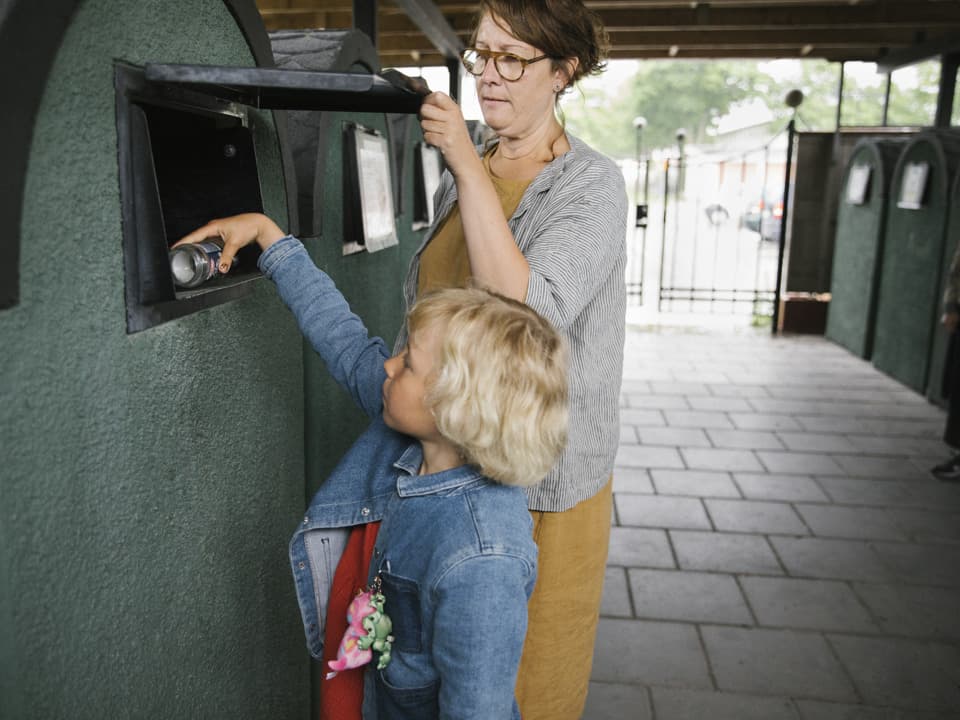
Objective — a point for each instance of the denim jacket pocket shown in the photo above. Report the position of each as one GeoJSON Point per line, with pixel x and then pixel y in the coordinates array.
{"type": "Point", "coordinates": [403, 606]}
{"type": "Point", "coordinates": [416, 703]}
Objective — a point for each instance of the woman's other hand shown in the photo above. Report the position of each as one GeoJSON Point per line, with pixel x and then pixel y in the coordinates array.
{"type": "Point", "coordinates": [444, 128]}
{"type": "Point", "coordinates": [236, 232]}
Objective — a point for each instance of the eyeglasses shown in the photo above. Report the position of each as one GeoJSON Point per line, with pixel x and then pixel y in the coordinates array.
{"type": "Point", "coordinates": [509, 66]}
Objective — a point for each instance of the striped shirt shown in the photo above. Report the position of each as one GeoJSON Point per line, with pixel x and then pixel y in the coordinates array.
{"type": "Point", "coordinates": [571, 227]}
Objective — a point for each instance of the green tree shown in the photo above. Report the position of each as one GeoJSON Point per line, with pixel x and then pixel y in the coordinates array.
{"type": "Point", "coordinates": [673, 94]}
{"type": "Point", "coordinates": [913, 96]}
{"type": "Point", "coordinates": [670, 94]}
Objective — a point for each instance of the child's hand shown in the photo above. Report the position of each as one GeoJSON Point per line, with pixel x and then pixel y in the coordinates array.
{"type": "Point", "coordinates": [236, 232]}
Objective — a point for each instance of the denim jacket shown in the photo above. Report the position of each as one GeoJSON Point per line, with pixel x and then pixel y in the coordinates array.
{"type": "Point", "coordinates": [455, 551]}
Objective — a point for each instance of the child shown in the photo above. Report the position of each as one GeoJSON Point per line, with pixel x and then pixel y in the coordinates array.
{"type": "Point", "coordinates": [472, 410]}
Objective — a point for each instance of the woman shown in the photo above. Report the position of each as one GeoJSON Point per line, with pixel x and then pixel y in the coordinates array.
{"type": "Point", "coordinates": [540, 217]}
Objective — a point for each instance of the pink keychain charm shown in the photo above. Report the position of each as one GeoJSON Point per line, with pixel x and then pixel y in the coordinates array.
{"type": "Point", "coordinates": [368, 630]}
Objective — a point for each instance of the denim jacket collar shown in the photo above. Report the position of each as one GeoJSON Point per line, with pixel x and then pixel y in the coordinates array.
{"type": "Point", "coordinates": [412, 484]}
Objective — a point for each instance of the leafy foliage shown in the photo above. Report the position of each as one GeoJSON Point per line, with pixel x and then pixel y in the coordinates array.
{"type": "Point", "coordinates": [693, 95]}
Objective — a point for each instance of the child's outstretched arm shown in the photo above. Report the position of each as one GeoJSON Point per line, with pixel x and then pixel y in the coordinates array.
{"type": "Point", "coordinates": [353, 358]}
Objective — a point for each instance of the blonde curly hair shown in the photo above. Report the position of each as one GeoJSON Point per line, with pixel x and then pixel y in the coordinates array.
{"type": "Point", "coordinates": [498, 390]}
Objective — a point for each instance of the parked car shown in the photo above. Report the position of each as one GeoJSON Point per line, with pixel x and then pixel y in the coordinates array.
{"type": "Point", "coordinates": [764, 216]}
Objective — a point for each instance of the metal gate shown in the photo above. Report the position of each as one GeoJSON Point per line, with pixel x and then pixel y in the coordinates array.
{"type": "Point", "coordinates": [719, 219]}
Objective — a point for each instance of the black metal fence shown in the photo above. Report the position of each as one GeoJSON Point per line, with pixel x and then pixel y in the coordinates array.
{"type": "Point", "coordinates": [714, 220]}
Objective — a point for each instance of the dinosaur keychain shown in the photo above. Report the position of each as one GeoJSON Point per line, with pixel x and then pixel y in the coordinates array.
{"type": "Point", "coordinates": [368, 631]}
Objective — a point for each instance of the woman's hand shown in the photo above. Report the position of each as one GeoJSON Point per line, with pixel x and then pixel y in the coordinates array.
{"type": "Point", "coordinates": [444, 128]}
{"type": "Point", "coordinates": [236, 232]}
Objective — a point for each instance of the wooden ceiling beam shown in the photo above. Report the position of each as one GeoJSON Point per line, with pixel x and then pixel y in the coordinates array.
{"type": "Point", "coordinates": [617, 22]}
{"type": "Point", "coordinates": [769, 19]}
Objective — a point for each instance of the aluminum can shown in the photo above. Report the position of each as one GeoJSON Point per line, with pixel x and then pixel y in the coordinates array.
{"type": "Point", "coordinates": [195, 263]}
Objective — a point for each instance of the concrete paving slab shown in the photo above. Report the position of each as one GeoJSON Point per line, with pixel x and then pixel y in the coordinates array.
{"type": "Point", "coordinates": [775, 662]}
{"type": "Point", "coordinates": [697, 419]}
{"type": "Point", "coordinates": [771, 486]}
{"type": "Point", "coordinates": [763, 421]}
{"type": "Point", "coordinates": [648, 456]}
{"type": "Point", "coordinates": [807, 604]}
{"type": "Point", "coordinates": [722, 404]}
{"type": "Point", "coordinates": [688, 596]}
{"type": "Point", "coordinates": [699, 483]}
{"type": "Point", "coordinates": [725, 552]}
{"type": "Point", "coordinates": [830, 559]}
{"type": "Point", "coordinates": [915, 610]}
{"type": "Point", "coordinates": [927, 525]}
{"type": "Point", "coordinates": [616, 596]}
{"type": "Point", "coordinates": [927, 564]}
{"type": "Point", "coordinates": [641, 418]}
{"type": "Point", "coordinates": [755, 516]}
{"type": "Point", "coordinates": [864, 523]}
{"type": "Point", "coordinates": [798, 463]}
{"type": "Point", "coordinates": [716, 459]}
{"type": "Point", "coordinates": [617, 701]}
{"type": "Point", "coordinates": [632, 480]}
{"type": "Point", "coordinates": [902, 673]}
{"type": "Point", "coordinates": [673, 436]}
{"type": "Point", "coordinates": [628, 654]}
{"type": "Point", "coordinates": [923, 493]}
{"type": "Point", "coordinates": [659, 402]}
{"type": "Point", "coordinates": [639, 547]}
{"type": "Point", "coordinates": [744, 391]}
{"type": "Point", "coordinates": [816, 442]}
{"type": "Point", "coordinates": [675, 704]}
{"type": "Point", "coordinates": [887, 468]}
{"type": "Point", "coordinates": [660, 387]}
{"type": "Point", "coordinates": [662, 511]}
{"type": "Point", "coordinates": [745, 439]}
{"type": "Point", "coordinates": [818, 710]}
{"type": "Point", "coordinates": [628, 435]}
{"type": "Point", "coordinates": [899, 446]}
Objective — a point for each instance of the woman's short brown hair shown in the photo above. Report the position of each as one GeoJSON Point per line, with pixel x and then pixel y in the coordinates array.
{"type": "Point", "coordinates": [498, 390]}
{"type": "Point", "coordinates": [560, 29]}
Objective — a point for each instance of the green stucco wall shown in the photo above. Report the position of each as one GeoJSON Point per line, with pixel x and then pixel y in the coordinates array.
{"type": "Point", "coordinates": [149, 482]}
{"type": "Point", "coordinates": [907, 303]}
{"type": "Point", "coordinates": [858, 249]}
{"type": "Point", "coordinates": [371, 282]}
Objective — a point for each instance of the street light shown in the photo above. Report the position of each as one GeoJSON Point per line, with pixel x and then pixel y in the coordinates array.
{"type": "Point", "coordinates": [639, 123]}
{"type": "Point", "coordinates": [792, 101]}
{"type": "Point", "coordinates": [681, 140]}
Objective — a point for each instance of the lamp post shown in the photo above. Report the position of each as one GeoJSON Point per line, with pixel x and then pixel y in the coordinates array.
{"type": "Point", "coordinates": [681, 169]}
{"type": "Point", "coordinates": [638, 250]}
{"type": "Point", "coordinates": [639, 123]}
{"type": "Point", "coordinates": [792, 100]}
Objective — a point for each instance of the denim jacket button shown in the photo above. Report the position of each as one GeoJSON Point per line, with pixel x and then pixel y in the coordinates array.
{"type": "Point", "coordinates": [365, 511]}
{"type": "Point", "coordinates": [306, 519]}
{"type": "Point", "coordinates": [301, 565]}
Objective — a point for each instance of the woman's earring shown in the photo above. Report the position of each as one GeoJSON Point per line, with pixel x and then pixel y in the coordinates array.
{"type": "Point", "coordinates": [557, 87]}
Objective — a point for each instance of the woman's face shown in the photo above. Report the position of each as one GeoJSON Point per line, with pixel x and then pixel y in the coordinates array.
{"type": "Point", "coordinates": [514, 109]}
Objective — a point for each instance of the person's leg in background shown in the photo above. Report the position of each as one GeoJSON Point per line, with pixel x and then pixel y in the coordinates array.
{"type": "Point", "coordinates": [564, 608]}
{"type": "Point", "coordinates": [950, 470]}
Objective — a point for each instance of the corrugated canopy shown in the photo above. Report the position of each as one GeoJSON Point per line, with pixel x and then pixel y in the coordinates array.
{"type": "Point", "coordinates": [889, 32]}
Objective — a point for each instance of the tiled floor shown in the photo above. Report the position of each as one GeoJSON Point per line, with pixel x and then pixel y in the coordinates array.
{"type": "Point", "coordinates": [778, 549]}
